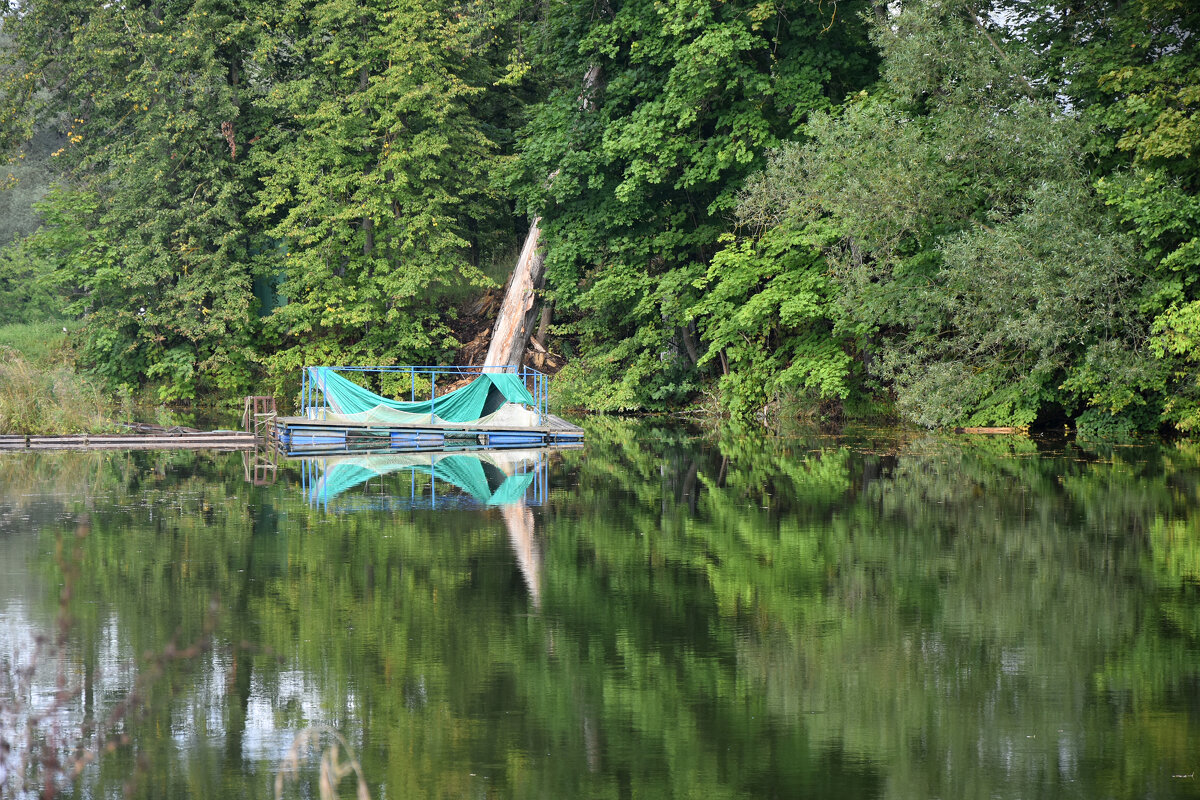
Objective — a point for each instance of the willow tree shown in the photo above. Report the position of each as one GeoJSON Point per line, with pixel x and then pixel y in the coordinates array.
{"type": "Point", "coordinates": [976, 264]}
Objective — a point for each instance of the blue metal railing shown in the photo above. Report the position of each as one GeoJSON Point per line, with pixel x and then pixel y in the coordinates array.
{"type": "Point", "coordinates": [538, 383]}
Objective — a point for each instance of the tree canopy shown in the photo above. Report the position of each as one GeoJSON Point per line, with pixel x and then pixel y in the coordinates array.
{"type": "Point", "coordinates": [1009, 215]}
{"type": "Point", "coordinates": [984, 215]}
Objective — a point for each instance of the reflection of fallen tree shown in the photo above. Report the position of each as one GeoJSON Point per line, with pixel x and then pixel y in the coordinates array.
{"type": "Point", "coordinates": [493, 478]}
{"type": "Point", "coordinates": [518, 519]}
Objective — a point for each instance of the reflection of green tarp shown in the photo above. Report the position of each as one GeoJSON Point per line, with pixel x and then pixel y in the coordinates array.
{"type": "Point", "coordinates": [481, 397]}
{"type": "Point", "coordinates": [466, 472]}
{"type": "Point", "coordinates": [511, 491]}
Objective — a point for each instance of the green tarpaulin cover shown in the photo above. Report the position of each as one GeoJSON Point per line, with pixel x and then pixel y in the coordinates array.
{"type": "Point", "coordinates": [480, 398]}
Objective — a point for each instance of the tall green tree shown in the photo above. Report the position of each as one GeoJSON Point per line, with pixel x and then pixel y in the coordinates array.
{"type": "Point", "coordinates": [155, 104]}
{"type": "Point", "coordinates": [376, 181]}
{"type": "Point", "coordinates": [978, 267]}
{"type": "Point", "coordinates": [659, 111]}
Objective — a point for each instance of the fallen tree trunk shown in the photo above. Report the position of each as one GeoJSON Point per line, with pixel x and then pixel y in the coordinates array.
{"type": "Point", "coordinates": [514, 323]}
{"type": "Point", "coordinates": [539, 338]}
{"type": "Point", "coordinates": [515, 320]}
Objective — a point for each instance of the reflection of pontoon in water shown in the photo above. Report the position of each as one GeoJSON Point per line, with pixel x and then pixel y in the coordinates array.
{"type": "Point", "coordinates": [495, 409]}
{"type": "Point", "coordinates": [425, 480]}
{"type": "Point", "coordinates": [512, 480]}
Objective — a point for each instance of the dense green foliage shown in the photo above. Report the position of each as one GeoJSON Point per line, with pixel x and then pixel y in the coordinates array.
{"type": "Point", "coordinates": [728, 617]}
{"type": "Point", "coordinates": [320, 150]}
{"type": "Point", "coordinates": [1012, 230]}
{"type": "Point", "coordinates": [647, 160]}
{"type": "Point", "coordinates": [989, 218]}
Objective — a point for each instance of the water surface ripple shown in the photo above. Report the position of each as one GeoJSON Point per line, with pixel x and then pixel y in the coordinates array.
{"type": "Point", "coordinates": [662, 614]}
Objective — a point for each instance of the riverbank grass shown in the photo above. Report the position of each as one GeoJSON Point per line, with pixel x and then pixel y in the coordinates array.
{"type": "Point", "coordinates": [40, 391]}
{"type": "Point", "coordinates": [47, 400]}
{"type": "Point", "coordinates": [40, 343]}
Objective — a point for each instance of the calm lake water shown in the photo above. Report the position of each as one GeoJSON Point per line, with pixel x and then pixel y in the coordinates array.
{"type": "Point", "coordinates": [660, 615]}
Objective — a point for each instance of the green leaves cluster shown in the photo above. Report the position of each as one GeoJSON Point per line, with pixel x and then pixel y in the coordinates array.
{"type": "Point", "coordinates": [328, 153]}
{"type": "Point", "coordinates": [1010, 215]}
{"type": "Point", "coordinates": [659, 111]}
{"type": "Point", "coordinates": [765, 315]}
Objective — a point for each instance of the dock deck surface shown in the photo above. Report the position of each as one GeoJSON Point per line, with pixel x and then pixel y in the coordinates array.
{"type": "Point", "coordinates": [552, 425]}
{"type": "Point", "coordinates": [302, 435]}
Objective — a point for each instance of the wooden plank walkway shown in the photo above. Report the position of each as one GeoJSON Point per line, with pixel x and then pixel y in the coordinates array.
{"type": "Point", "coordinates": [212, 440]}
{"type": "Point", "coordinates": [560, 424]}
{"type": "Point", "coordinates": [555, 431]}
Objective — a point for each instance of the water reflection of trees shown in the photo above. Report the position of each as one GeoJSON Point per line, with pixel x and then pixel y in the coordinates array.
{"type": "Point", "coordinates": [874, 615]}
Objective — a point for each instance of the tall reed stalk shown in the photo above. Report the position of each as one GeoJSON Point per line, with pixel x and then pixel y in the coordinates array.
{"type": "Point", "coordinates": [51, 399]}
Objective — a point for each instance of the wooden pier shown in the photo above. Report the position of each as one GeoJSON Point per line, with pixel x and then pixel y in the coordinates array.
{"type": "Point", "coordinates": [212, 440]}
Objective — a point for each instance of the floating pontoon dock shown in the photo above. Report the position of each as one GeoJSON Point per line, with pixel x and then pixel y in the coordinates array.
{"type": "Point", "coordinates": [302, 435]}
{"type": "Point", "coordinates": [495, 409]}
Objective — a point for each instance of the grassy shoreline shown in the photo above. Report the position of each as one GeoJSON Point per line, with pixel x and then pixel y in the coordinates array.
{"type": "Point", "coordinates": [40, 391]}
{"type": "Point", "coordinates": [39, 399]}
